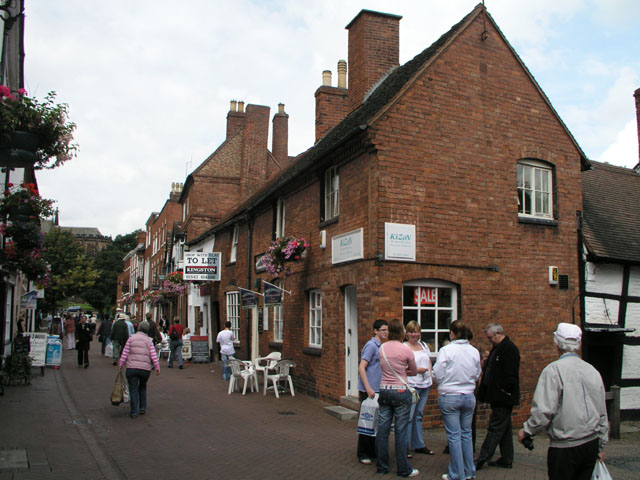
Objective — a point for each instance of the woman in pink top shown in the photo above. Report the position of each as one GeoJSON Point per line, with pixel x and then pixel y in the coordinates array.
{"type": "Point", "coordinates": [396, 362]}
{"type": "Point", "coordinates": [139, 355]}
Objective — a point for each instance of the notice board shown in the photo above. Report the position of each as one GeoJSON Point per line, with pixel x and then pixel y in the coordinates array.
{"type": "Point", "coordinates": [199, 349]}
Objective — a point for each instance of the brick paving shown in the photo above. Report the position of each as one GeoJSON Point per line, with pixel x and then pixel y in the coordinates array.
{"type": "Point", "coordinates": [69, 430]}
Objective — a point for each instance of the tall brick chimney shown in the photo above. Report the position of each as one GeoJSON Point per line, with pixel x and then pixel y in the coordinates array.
{"type": "Point", "coordinates": [637, 95]}
{"type": "Point", "coordinates": [254, 149]}
{"type": "Point", "coordinates": [332, 103]}
{"type": "Point", "coordinates": [235, 118]}
{"type": "Point", "coordinates": [374, 49]}
{"type": "Point", "coordinates": [280, 136]}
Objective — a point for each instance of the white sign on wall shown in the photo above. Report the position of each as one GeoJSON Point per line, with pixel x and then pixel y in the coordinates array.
{"type": "Point", "coordinates": [202, 266]}
{"type": "Point", "coordinates": [399, 241]}
{"type": "Point", "coordinates": [347, 246]}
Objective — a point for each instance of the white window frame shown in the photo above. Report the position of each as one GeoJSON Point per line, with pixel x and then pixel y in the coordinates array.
{"type": "Point", "coordinates": [536, 179]}
{"type": "Point", "coordinates": [234, 245]}
{"type": "Point", "coordinates": [315, 318]}
{"type": "Point", "coordinates": [436, 308]}
{"type": "Point", "coordinates": [278, 319]}
{"type": "Point", "coordinates": [280, 216]}
{"type": "Point", "coordinates": [233, 313]}
{"type": "Point", "coordinates": [331, 191]}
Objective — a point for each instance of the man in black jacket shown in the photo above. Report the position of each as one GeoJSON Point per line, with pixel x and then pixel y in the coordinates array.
{"type": "Point", "coordinates": [500, 387]}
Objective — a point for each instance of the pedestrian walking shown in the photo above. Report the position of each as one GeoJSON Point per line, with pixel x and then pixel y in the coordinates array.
{"type": "Point", "coordinates": [369, 375]}
{"type": "Point", "coordinates": [396, 363]}
{"type": "Point", "coordinates": [569, 404]}
{"type": "Point", "coordinates": [499, 387]}
{"type": "Point", "coordinates": [422, 383]}
{"type": "Point", "coordinates": [83, 341]}
{"type": "Point", "coordinates": [104, 333]}
{"type": "Point", "coordinates": [139, 356]}
{"type": "Point", "coordinates": [175, 342]}
{"type": "Point", "coordinates": [226, 338]}
{"type": "Point", "coordinates": [456, 371]}
{"type": "Point", "coordinates": [69, 333]}
{"type": "Point", "coordinates": [119, 336]}
{"type": "Point", "coordinates": [154, 332]}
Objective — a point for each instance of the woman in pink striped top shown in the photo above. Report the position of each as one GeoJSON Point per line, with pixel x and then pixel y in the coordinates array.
{"type": "Point", "coordinates": [139, 355]}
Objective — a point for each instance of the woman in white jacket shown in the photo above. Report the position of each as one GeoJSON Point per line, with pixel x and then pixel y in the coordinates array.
{"type": "Point", "coordinates": [456, 372]}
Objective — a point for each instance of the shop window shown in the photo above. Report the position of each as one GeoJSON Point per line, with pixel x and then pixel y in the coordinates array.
{"type": "Point", "coordinates": [433, 304]}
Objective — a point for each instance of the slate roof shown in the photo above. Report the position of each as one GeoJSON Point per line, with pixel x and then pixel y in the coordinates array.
{"type": "Point", "coordinates": [611, 210]}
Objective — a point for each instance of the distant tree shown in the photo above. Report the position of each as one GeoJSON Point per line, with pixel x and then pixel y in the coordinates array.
{"type": "Point", "coordinates": [71, 271]}
{"type": "Point", "coordinates": [109, 263]}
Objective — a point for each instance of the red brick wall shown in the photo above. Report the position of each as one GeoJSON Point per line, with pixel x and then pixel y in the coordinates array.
{"type": "Point", "coordinates": [280, 138]}
{"type": "Point", "coordinates": [332, 106]}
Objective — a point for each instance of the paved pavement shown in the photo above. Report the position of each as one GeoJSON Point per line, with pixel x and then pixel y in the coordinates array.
{"type": "Point", "coordinates": [63, 426]}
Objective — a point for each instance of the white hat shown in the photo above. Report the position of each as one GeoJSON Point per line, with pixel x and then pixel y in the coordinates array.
{"type": "Point", "coordinates": [568, 333]}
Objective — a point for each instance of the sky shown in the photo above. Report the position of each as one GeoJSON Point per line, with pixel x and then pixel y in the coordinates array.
{"type": "Point", "coordinates": [148, 82]}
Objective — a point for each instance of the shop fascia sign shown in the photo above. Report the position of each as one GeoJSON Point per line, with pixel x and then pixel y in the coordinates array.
{"type": "Point", "coordinates": [399, 242]}
{"type": "Point", "coordinates": [201, 266]}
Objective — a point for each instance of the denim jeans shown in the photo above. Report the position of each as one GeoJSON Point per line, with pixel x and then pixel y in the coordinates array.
{"type": "Point", "coordinates": [457, 413]}
{"type": "Point", "coordinates": [226, 369]}
{"type": "Point", "coordinates": [137, 380]}
{"type": "Point", "coordinates": [414, 432]}
{"type": "Point", "coordinates": [393, 403]}
{"type": "Point", "coordinates": [176, 350]}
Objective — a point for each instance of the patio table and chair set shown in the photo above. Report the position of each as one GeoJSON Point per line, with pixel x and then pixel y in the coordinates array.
{"type": "Point", "coordinates": [273, 368]}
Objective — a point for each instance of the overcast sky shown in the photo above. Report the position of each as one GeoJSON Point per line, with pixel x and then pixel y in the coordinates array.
{"type": "Point", "coordinates": [148, 82]}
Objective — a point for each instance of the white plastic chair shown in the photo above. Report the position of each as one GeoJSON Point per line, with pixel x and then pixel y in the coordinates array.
{"type": "Point", "coordinates": [265, 365]}
{"type": "Point", "coordinates": [242, 371]}
{"type": "Point", "coordinates": [164, 347]}
{"type": "Point", "coordinates": [281, 374]}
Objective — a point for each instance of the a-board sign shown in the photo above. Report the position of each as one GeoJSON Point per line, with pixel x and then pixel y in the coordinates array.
{"type": "Point", "coordinates": [38, 348]}
{"type": "Point", "coordinates": [199, 349]}
{"type": "Point", "coordinates": [54, 351]}
{"type": "Point", "coordinates": [186, 349]}
{"type": "Point", "coordinates": [202, 266]}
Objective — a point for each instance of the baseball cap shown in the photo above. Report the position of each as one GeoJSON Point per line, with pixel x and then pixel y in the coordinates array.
{"type": "Point", "coordinates": [567, 332]}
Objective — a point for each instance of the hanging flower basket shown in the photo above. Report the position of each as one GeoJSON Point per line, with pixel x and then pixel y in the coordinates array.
{"type": "Point", "coordinates": [284, 251]}
{"type": "Point", "coordinates": [19, 150]}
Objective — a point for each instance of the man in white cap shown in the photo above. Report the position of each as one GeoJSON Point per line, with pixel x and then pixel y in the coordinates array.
{"type": "Point", "coordinates": [569, 404]}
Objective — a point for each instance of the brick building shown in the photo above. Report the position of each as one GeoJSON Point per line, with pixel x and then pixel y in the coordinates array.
{"type": "Point", "coordinates": [438, 190]}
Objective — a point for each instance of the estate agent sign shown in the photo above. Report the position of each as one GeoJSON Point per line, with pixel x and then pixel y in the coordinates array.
{"type": "Point", "coordinates": [202, 266]}
{"type": "Point", "coordinates": [399, 242]}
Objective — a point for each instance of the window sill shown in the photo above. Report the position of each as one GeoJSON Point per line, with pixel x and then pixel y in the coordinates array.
{"type": "Point", "coordinates": [331, 221]}
{"type": "Point", "coordinates": [313, 351]}
{"type": "Point", "coordinates": [538, 221]}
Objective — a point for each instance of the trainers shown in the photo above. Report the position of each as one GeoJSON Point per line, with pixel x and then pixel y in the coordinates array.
{"type": "Point", "coordinates": [365, 461]}
{"type": "Point", "coordinates": [414, 473]}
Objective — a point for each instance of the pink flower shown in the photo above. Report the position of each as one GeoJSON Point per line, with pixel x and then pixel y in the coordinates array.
{"type": "Point", "coordinates": [5, 91]}
{"type": "Point", "coordinates": [22, 91]}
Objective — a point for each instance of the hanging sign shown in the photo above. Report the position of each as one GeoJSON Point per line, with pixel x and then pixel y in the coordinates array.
{"type": "Point", "coordinates": [249, 298]}
{"type": "Point", "coordinates": [424, 296]}
{"type": "Point", "coordinates": [202, 266]}
{"type": "Point", "coordinates": [272, 295]}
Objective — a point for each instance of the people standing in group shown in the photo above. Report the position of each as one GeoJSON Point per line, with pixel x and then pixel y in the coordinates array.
{"type": "Point", "coordinates": [456, 372]}
{"type": "Point", "coordinates": [119, 336]}
{"type": "Point", "coordinates": [104, 333]}
{"type": "Point", "coordinates": [83, 341]}
{"type": "Point", "coordinates": [369, 375]}
{"type": "Point", "coordinates": [499, 387]}
{"type": "Point", "coordinates": [139, 356]}
{"type": "Point", "coordinates": [226, 338]}
{"type": "Point", "coordinates": [569, 404]}
{"type": "Point", "coordinates": [69, 333]}
{"type": "Point", "coordinates": [422, 383]}
{"type": "Point", "coordinates": [396, 363]}
{"type": "Point", "coordinates": [175, 342]}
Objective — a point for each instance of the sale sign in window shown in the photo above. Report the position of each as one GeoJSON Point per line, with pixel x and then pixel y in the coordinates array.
{"type": "Point", "coordinates": [424, 296]}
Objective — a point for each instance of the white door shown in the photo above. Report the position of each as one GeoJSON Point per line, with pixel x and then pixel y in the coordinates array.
{"type": "Point", "coordinates": [351, 340]}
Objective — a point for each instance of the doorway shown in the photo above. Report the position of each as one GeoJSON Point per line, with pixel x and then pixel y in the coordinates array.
{"type": "Point", "coordinates": [351, 340]}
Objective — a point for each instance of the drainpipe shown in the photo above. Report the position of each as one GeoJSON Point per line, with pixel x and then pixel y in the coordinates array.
{"type": "Point", "coordinates": [250, 220]}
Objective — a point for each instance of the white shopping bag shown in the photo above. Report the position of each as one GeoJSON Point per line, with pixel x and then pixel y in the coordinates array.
{"type": "Point", "coordinates": [600, 472]}
{"type": "Point", "coordinates": [108, 350]}
{"type": "Point", "coordinates": [368, 419]}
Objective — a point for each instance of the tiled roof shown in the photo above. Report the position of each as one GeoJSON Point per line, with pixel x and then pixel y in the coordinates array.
{"type": "Point", "coordinates": [611, 204]}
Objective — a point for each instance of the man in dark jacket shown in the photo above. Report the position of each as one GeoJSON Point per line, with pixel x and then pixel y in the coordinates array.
{"type": "Point", "coordinates": [500, 387]}
{"type": "Point", "coordinates": [153, 332]}
{"type": "Point", "coordinates": [119, 336]}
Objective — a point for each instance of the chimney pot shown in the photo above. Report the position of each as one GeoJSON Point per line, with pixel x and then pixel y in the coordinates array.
{"type": "Point", "coordinates": [342, 74]}
{"type": "Point", "coordinates": [326, 78]}
{"type": "Point", "coordinates": [232, 105]}
{"type": "Point", "coordinates": [240, 107]}
{"type": "Point", "coordinates": [281, 108]}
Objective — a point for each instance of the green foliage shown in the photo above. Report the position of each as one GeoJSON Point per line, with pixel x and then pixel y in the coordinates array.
{"type": "Point", "coordinates": [109, 263]}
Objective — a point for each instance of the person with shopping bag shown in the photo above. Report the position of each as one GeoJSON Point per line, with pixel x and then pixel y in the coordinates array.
{"type": "Point", "coordinates": [139, 356]}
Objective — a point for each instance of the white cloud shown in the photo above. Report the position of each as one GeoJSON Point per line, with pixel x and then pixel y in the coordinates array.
{"type": "Point", "coordinates": [624, 150]}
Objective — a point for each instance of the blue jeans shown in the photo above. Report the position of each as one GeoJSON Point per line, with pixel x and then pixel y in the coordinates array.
{"type": "Point", "coordinates": [457, 413]}
{"type": "Point", "coordinates": [176, 350]}
{"type": "Point", "coordinates": [414, 432]}
{"type": "Point", "coordinates": [137, 380]}
{"type": "Point", "coordinates": [226, 369]}
{"type": "Point", "coordinates": [393, 403]}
